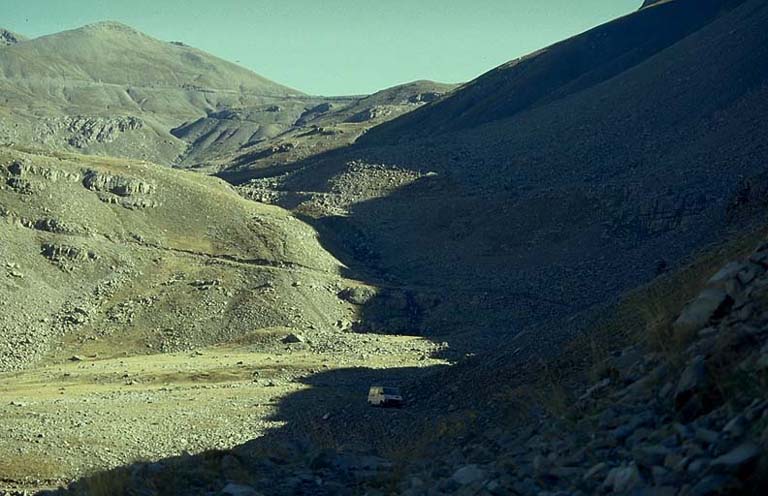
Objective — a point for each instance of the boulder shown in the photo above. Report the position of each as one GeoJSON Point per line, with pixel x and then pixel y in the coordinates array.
{"type": "Point", "coordinates": [711, 304]}
{"type": "Point", "coordinates": [623, 479]}
{"type": "Point", "coordinates": [650, 456]}
{"type": "Point", "coordinates": [595, 471]}
{"type": "Point", "coordinates": [468, 474]}
{"type": "Point", "coordinates": [694, 377]}
{"type": "Point", "coordinates": [716, 485]}
{"type": "Point", "coordinates": [727, 273]}
{"type": "Point", "coordinates": [358, 295]}
{"type": "Point", "coordinates": [293, 339]}
{"type": "Point", "coordinates": [117, 185]}
{"type": "Point", "coordinates": [739, 460]}
{"type": "Point", "coordinates": [736, 427]}
{"type": "Point", "coordinates": [695, 394]}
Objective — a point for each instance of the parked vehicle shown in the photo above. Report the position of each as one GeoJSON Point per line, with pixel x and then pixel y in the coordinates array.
{"type": "Point", "coordinates": [385, 396]}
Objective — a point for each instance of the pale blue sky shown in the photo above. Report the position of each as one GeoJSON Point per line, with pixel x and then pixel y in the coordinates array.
{"type": "Point", "coordinates": [335, 47]}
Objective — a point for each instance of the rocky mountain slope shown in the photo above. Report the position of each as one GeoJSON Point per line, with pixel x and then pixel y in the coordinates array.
{"type": "Point", "coordinates": [327, 127]}
{"type": "Point", "coordinates": [528, 194]}
{"type": "Point", "coordinates": [90, 54]}
{"type": "Point", "coordinates": [102, 256]}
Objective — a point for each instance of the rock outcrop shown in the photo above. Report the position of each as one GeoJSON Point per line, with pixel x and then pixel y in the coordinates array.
{"type": "Point", "coordinates": [118, 185]}
{"type": "Point", "coordinates": [8, 38]}
{"type": "Point", "coordinates": [370, 114]}
{"type": "Point", "coordinates": [84, 131]}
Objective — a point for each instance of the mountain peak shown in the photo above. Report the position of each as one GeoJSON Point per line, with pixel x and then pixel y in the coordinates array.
{"type": "Point", "coordinates": [109, 26]}
{"type": "Point", "coordinates": [111, 52]}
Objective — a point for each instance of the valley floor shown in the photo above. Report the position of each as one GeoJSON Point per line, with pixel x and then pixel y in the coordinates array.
{"type": "Point", "coordinates": [62, 421]}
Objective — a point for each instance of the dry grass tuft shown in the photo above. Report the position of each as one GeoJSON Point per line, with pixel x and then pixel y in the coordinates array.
{"type": "Point", "coordinates": [29, 465]}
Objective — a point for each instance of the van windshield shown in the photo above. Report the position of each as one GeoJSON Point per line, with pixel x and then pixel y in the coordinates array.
{"type": "Point", "coordinates": [392, 391]}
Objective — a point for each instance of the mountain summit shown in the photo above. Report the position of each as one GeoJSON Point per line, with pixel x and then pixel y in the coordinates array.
{"type": "Point", "coordinates": [113, 53]}
{"type": "Point", "coordinates": [107, 88]}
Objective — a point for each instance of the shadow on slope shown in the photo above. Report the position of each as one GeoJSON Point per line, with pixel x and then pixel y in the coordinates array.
{"type": "Point", "coordinates": [567, 203]}
{"type": "Point", "coordinates": [558, 71]}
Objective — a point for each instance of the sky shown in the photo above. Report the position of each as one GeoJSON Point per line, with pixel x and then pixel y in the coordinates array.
{"type": "Point", "coordinates": [338, 47]}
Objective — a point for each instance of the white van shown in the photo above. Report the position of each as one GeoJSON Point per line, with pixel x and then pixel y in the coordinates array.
{"type": "Point", "coordinates": [385, 396]}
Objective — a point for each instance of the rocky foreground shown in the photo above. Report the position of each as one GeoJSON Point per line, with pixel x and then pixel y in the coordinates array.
{"type": "Point", "coordinates": [691, 420]}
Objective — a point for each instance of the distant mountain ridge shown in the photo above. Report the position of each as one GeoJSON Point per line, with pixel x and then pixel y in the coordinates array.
{"type": "Point", "coordinates": [106, 88]}
{"type": "Point", "coordinates": [113, 53]}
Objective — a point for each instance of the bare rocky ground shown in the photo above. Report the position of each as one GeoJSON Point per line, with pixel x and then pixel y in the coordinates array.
{"type": "Point", "coordinates": [684, 416]}
{"type": "Point", "coordinates": [66, 420]}
{"type": "Point", "coordinates": [107, 253]}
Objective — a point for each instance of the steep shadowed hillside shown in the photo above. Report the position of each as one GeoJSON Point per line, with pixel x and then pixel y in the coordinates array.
{"type": "Point", "coordinates": [560, 70]}
{"type": "Point", "coordinates": [553, 183]}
